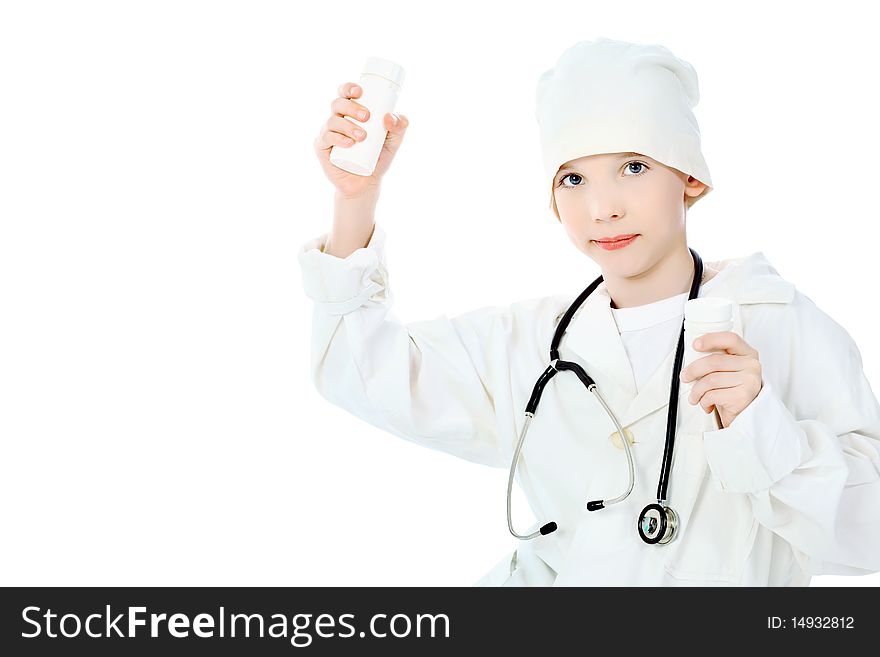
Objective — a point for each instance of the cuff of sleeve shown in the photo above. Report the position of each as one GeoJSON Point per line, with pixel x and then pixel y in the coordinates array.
{"type": "Point", "coordinates": [340, 285]}
{"type": "Point", "coordinates": [762, 444]}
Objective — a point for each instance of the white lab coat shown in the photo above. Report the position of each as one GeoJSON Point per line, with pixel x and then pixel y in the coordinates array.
{"type": "Point", "coordinates": [791, 489]}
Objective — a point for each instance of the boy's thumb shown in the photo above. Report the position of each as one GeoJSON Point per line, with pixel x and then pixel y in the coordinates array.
{"type": "Point", "coordinates": [397, 126]}
{"type": "Point", "coordinates": [398, 122]}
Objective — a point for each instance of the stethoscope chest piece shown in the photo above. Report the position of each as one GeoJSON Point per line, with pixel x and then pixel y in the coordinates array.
{"type": "Point", "coordinates": [657, 524]}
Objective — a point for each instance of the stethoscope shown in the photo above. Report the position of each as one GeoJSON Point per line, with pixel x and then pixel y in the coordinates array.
{"type": "Point", "coordinates": [657, 522]}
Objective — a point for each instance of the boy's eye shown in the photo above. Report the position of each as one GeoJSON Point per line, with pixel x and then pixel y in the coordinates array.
{"type": "Point", "coordinates": [632, 163]}
{"type": "Point", "coordinates": [638, 164]}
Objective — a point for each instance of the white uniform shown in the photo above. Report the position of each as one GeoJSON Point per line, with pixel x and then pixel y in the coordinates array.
{"type": "Point", "coordinates": [791, 489]}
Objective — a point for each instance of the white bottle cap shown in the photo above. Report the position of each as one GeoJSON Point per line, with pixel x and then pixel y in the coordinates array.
{"type": "Point", "coordinates": [385, 68]}
{"type": "Point", "coordinates": [708, 309]}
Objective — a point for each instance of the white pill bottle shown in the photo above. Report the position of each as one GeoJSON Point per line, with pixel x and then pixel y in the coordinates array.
{"type": "Point", "coordinates": [381, 82]}
{"type": "Point", "coordinates": [701, 316]}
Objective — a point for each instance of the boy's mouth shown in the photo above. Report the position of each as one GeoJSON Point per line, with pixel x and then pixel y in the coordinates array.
{"type": "Point", "coordinates": [612, 244]}
{"type": "Point", "coordinates": [617, 238]}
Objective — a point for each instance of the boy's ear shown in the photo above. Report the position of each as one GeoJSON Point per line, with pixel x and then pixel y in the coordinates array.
{"type": "Point", "coordinates": [695, 185]}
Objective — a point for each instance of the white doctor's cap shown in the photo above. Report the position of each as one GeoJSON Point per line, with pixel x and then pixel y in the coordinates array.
{"type": "Point", "coordinates": [609, 96]}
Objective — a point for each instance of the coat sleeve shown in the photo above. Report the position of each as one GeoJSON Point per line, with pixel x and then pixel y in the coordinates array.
{"type": "Point", "coordinates": [430, 382]}
{"type": "Point", "coordinates": [807, 449]}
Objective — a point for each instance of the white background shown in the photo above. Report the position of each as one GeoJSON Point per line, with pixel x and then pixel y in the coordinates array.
{"type": "Point", "coordinates": [157, 177]}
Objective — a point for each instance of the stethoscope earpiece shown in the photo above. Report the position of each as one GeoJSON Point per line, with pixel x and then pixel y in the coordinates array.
{"type": "Point", "coordinates": [549, 527]}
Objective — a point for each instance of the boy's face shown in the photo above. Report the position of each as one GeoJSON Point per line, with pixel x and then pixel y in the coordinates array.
{"type": "Point", "coordinates": [601, 196]}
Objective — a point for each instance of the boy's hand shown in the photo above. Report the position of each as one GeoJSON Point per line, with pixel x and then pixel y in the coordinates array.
{"type": "Point", "coordinates": [342, 132]}
{"type": "Point", "coordinates": [730, 380]}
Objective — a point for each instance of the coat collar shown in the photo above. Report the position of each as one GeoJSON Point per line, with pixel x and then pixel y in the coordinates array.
{"type": "Point", "coordinates": [593, 340]}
